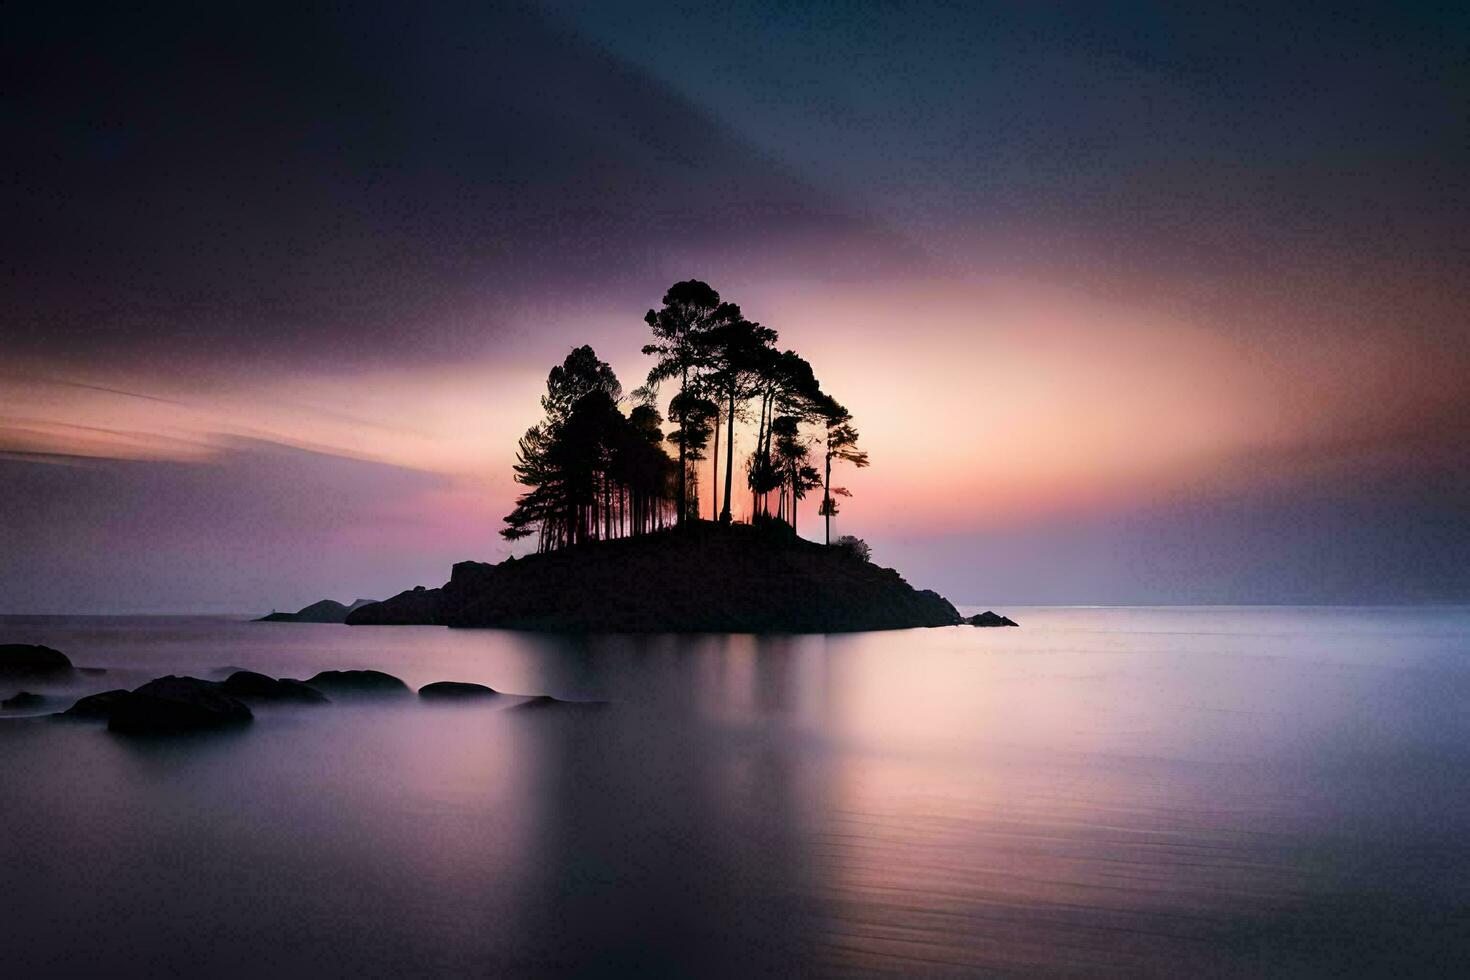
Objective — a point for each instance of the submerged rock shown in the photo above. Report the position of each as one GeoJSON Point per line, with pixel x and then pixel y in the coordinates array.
{"type": "Point", "coordinates": [251, 685]}
{"type": "Point", "coordinates": [32, 660]}
{"type": "Point", "coordinates": [988, 618]}
{"type": "Point", "coordinates": [543, 702]}
{"type": "Point", "coordinates": [176, 704]}
{"type": "Point", "coordinates": [95, 707]}
{"type": "Point", "coordinates": [456, 691]}
{"type": "Point", "coordinates": [23, 700]}
{"type": "Point", "coordinates": [361, 683]}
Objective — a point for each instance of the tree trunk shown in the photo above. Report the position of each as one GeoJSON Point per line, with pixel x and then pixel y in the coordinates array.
{"type": "Point", "coordinates": [683, 440]}
{"type": "Point", "coordinates": [729, 455]}
{"type": "Point", "coordinates": [794, 501]}
{"type": "Point", "coordinates": [714, 479]}
{"type": "Point", "coordinates": [827, 495]}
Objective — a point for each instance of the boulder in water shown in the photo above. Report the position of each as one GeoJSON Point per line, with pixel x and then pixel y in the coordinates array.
{"type": "Point", "coordinates": [358, 683]}
{"type": "Point", "coordinates": [545, 702]}
{"type": "Point", "coordinates": [32, 660]}
{"type": "Point", "coordinates": [23, 701]}
{"type": "Point", "coordinates": [456, 691]}
{"type": "Point", "coordinates": [253, 686]}
{"type": "Point", "coordinates": [173, 704]}
{"type": "Point", "coordinates": [95, 707]}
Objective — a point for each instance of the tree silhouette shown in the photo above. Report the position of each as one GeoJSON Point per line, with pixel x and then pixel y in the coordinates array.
{"type": "Point", "coordinates": [840, 443]}
{"type": "Point", "coordinates": [699, 415]}
{"type": "Point", "coordinates": [785, 386]}
{"type": "Point", "coordinates": [690, 310]}
{"type": "Point", "coordinates": [592, 472]}
{"type": "Point", "coordinates": [792, 467]}
{"type": "Point", "coordinates": [734, 356]}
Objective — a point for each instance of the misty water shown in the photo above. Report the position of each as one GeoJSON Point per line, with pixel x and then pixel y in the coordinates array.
{"type": "Point", "coordinates": [1236, 791]}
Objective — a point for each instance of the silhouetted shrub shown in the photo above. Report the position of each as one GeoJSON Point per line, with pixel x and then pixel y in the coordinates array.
{"type": "Point", "coordinates": [857, 547]}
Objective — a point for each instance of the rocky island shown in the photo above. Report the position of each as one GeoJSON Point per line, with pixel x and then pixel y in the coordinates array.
{"type": "Point", "coordinates": [613, 501]}
{"type": "Point", "coordinates": [702, 577]}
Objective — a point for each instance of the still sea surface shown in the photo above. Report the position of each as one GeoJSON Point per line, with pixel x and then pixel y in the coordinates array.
{"type": "Point", "coordinates": [1141, 791]}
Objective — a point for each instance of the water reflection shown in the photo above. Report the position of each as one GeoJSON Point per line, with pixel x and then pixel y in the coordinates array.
{"type": "Point", "coordinates": [1121, 791]}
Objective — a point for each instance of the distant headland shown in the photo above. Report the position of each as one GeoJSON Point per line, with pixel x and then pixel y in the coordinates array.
{"type": "Point", "coordinates": [325, 611]}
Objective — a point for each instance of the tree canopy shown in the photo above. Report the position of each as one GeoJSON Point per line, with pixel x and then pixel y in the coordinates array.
{"type": "Point", "coordinates": [593, 471]}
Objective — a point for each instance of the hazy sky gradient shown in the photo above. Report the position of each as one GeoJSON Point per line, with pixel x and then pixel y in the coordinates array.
{"type": "Point", "coordinates": [1131, 304]}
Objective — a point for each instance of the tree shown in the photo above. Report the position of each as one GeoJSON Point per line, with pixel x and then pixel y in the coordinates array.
{"type": "Point", "coordinates": [786, 386]}
{"type": "Point", "coordinates": [792, 467]}
{"type": "Point", "coordinates": [592, 472]}
{"type": "Point", "coordinates": [700, 416]}
{"type": "Point", "coordinates": [840, 443]}
{"type": "Point", "coordinates": [734, 355]}
{"type": "Point", "coordinates": [690, 310]}
{"type": "Point", "coordinates": [581, 372]}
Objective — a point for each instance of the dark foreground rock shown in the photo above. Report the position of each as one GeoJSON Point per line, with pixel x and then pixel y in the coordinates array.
{"type": "Point", "coordinates": [988, 618]}
{"type": "Point", "coordinates": [24, 701]}
{"type": "Point", "coordinates": [416, 607]}
{"type": "Point", "coordinates": [249, 685]}
{"type": "Point", "coordinates": [32, 660]}
{"type": "Point", "coordinates": [358, 683]}
{"type": "Point", "coordinates": [701, 578]}
{"type": "Point", "coordinates": [176, 704]}
{"type": "Point", "coordinates": [456, 691]}
{"type": "Point", "coordinates": [96, 707]}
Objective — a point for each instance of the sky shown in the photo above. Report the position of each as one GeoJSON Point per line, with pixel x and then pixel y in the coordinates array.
{"type": "Point", "coordinates": [1131, 303]}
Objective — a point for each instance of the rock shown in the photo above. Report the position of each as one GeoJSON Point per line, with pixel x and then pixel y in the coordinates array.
{"type": "Point", "coordinates": [988, 618]}
{"type": "Point", "coordinates": [95, 707]}
{"type": "Point", "coordinates": [543, 702]}
{"type": "Point", "coordinates": [23, 701]}
{"type": "Point", "coordinates": [711, 578]}
{"type": "Point", "coordinates": [173, 704]}
{"type": "Point", "coordinates": [456, 691]}
{"type": "Point", "coordinates": [32, 660]}
{"type": "Point", "coordinates": [414, 607]}
{"type": "Point", "coordinates": [325, 611]}
{"type": "Point", "coordinates": [252, 686]}
{"type": "Point", "coordinates": [359, 683]}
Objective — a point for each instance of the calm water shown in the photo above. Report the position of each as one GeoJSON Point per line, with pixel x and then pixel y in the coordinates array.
{"type": "Point", "coordinates": [1159, 791]}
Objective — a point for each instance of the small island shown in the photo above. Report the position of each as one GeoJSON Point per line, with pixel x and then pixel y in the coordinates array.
{"type": "Point", "coordinates": [621, 543]}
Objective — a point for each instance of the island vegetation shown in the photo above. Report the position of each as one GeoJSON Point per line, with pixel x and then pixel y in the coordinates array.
{"type": "Point", "coordinates": [594, 472]}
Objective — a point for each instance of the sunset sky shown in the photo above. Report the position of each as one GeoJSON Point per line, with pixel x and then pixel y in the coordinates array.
{"type": "Point", "coordinates": [1131, 303]}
